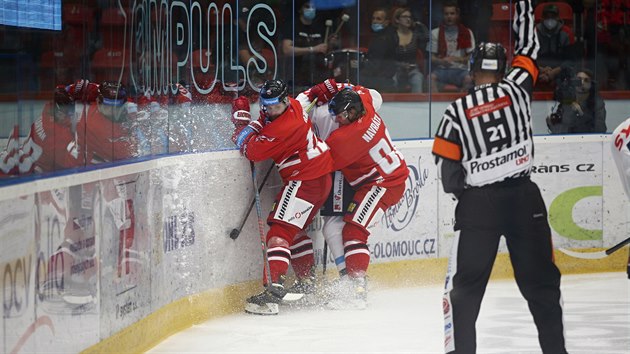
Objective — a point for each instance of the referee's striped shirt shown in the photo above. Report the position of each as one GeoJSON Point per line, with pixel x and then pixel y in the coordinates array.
{"type": "Point", "coordinates": [487, 135]}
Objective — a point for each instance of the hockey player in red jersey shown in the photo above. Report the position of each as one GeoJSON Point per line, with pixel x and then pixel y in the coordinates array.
{"type": "Point", "coordinates": [284, 134]}
{"type": "Point", "coordinates": [102, 130]}
{"type": "Point", "coordinates": [52, 142]}
{"type": "Point", "coordinates": [363, 151]}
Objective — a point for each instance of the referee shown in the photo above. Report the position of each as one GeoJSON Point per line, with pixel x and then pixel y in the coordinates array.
{"type": "Point", "coordinates": [484, 151]}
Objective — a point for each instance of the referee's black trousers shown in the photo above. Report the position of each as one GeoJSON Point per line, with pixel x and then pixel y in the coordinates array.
{"type": "Point", "coordinates": [515, 209]}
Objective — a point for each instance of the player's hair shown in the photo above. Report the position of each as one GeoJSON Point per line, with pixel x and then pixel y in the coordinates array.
{"type": "Point", "coordinates": [451, 3]}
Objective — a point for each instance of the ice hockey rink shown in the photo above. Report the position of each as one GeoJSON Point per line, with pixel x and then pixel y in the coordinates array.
{"type": "Point", "coordinates": [409, 320]}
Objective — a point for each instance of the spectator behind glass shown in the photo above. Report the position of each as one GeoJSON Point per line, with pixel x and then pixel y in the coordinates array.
{"type": "Point", "coordinates": [380, 67]}
{"type": "Point", "coordinates": [477, 14]}
{"type": "Point", "coordinates": [411, 36]}
{"type": "Point", "coordinates": [450, 46]}
{"type": "Point", "coordinates": [307, 48]}
{"type": "Point", "coordinates": [556, 44]}
{"type": "Point", "coordinates": [580, 108]}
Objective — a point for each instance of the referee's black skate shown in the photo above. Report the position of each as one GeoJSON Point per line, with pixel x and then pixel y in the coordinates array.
{"type": "Point", "coordinates": [266, 303]}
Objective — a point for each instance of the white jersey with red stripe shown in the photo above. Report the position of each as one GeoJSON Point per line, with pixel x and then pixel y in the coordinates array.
{"type": "Point", "coordinates": [323, 123]}
{"type": "Point", "coordinates": [364, 152]}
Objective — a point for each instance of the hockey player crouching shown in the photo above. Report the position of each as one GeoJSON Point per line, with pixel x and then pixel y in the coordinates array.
{"type": "Point", "coordinates": [284, 134]}
{"type": "Point", "coordinates": [363, 151]}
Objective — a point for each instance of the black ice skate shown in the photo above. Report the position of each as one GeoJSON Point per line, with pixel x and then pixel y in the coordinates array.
{"type": "Point", "coordinates": [306, 288]}
{"type": "Point", "coordinates": [266, 303]}
{"type": "Point", "coordinates": [302, 286]}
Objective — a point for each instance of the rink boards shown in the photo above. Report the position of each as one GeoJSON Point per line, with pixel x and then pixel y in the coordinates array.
{"type": "Point", "coordinates": [126, 255]}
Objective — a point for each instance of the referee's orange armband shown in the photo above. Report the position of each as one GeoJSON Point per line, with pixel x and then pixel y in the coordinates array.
{"type": "Point", "coordinates": [528, 64]}
{"type": "Point", "coordinates": [447, 149]}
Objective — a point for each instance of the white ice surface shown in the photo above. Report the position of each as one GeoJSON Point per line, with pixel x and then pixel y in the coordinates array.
{"type": "Point", "coordinates": [409, 320]}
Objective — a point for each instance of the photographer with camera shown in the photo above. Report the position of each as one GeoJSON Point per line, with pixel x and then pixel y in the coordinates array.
{"type": "Point", "coordinates": [579, 107]}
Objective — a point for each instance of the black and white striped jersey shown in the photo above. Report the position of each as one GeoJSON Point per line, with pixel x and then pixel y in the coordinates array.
{"type": "Point", "coordinates": [486, 136]}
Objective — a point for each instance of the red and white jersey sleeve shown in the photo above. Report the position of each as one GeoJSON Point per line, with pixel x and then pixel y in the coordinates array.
{"type": "Point", "coordinates": [621, 153]}
{"type": "Point", "coordinates": [290, 141]}
{"type": "Point", "coordinates": [364, 152]}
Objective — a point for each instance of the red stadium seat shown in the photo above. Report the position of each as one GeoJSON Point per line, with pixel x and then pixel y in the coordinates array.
{"type": "Point", "coordinates": [501, 24]}
{"type": "Point", "coordinates": [113, 23]}
{"type": "Point", "coordinates": [78, 19]}
{"type": "Point", "coordinates": [77, 14]}
{"type": "Point", "coordinates": [107, 64]}
{"type": "Point", "coordinates": [114, 17]}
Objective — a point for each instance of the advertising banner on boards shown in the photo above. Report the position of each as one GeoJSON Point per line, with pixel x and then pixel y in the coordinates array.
{"type": "Point", "coordinates": [125, 252]}
{"type": "Point", "coordinates": [18, 259]}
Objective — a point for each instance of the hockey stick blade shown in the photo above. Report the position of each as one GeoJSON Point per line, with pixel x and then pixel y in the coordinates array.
{"type": "Point", "coordinates": [234, 234]}
{"type": "Point", "coordinates": [595, 255]}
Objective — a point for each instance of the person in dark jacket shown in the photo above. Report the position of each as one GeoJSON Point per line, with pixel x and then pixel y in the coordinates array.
{"type": "Point", "coordinates": [580, 108]}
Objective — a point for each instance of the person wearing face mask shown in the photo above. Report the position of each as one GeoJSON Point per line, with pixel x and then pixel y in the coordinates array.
{"type": "Point", "coordinates": [380, 67]}
{"type": "Point", "coordinates": [556, 45]}
{"type": "Point", "coordinates": [580, 108]}
{"type": "Point", "coordinates": [304, 42]}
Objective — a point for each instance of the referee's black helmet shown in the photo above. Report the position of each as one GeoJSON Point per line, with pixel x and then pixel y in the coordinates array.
{"type": "Point", "coordinates": [488, 57]}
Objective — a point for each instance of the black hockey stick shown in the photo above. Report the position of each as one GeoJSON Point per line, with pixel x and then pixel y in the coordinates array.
{"type": "Point", "coordinates": [595, 255]}
{"type": "Point", "coordinates": [235, 232]}
{"type": "Point", "coordinates": [261, 225]}
{"type": "Point", "coordinates": [325, 256]}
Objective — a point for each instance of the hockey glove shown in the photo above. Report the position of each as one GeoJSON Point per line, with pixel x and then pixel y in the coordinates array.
{"type": "Point", "coordinates": [243, 134]}
{"type": "Point", "coordinates": [240, 112]}
{"type": "Point", "coordinates": [324, 92]}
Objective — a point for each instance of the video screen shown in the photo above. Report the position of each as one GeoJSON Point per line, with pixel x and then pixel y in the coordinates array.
{"type": "Point", "coordinates": [43, 14]}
